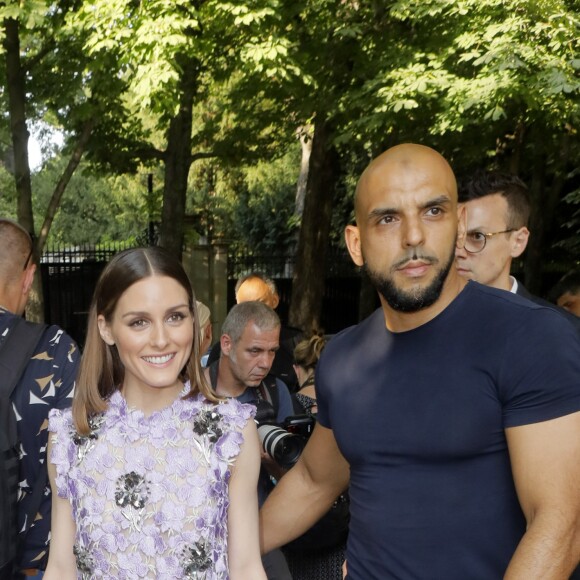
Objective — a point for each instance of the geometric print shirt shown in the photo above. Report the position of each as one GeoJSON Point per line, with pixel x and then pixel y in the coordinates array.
{"type": "Point", "coordinates": [47, 383]}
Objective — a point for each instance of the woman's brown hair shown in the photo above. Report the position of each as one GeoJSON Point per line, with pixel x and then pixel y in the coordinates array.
{"type": "Point", "coordinates": [101, 372]}
{"type": "Point", "coordinates": [307, 351]}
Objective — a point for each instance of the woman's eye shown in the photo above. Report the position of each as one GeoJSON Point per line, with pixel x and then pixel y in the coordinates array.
{"type": "Point", "coordinates": [176, 317]}
{"type": "Point", "coordinates": [140, 323]}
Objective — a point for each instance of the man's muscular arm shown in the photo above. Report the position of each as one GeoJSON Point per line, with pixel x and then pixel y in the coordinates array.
{"type": "Point", "coordinates": [545, 461]}
{"type": "Point", "coordinates": [306, 492]}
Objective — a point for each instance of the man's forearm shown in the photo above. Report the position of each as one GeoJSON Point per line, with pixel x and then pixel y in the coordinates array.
{"type": "Point", "coordinates": [293, 507]}
{"type": "Point", "coordinates": [549, 550]}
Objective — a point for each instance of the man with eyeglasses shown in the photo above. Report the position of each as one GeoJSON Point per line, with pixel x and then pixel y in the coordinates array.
{"type": "Point", "coordinates": [46, 382]}
{"type": "Point", "coordinates": [497, 210]}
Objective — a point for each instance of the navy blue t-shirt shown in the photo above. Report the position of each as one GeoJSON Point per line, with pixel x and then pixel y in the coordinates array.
{"type": "Point", "coordinates": [420, 417]}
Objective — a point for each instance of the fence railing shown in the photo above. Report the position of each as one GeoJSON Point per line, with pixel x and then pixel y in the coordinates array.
{"type": "Point", "coordinates": [70, 274]}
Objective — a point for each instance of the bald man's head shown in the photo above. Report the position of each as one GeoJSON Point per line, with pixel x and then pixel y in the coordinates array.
{"type": "Point", "coordinates": [406, 226]}
{"type": "Point", "coordinates": [399, 165]}
{"type": "Point", "coordinates": [16, 265]}
{"type": "Point", "coordinates": [257, 287]}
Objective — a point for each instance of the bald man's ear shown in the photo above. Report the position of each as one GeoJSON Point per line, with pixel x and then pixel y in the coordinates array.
{"type": "Point", "coordinates": [519, 241]}
{"type": "Point", "coordinates": [353, 243]}
{"type": "Point", "coordinates": [273, 301]}
{"type": "Point", "coordinates": [28, 278]}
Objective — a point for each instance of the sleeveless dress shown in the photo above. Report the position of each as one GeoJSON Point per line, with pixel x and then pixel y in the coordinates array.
{"type": "Point", "coordinates": [149, 494]}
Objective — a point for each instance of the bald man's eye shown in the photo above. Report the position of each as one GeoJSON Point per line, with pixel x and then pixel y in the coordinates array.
{"type": "Point", "coordinates": [387, 219]}
{"type": "Point", "coordinates": [435, 211]}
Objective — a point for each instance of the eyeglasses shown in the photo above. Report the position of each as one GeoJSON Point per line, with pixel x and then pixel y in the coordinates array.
{"type": "Point", "coordinates": [475, 241]}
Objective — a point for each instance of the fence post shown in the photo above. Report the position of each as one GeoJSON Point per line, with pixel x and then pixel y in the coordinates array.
{"type": "Point", "coordinates": [207, 269]}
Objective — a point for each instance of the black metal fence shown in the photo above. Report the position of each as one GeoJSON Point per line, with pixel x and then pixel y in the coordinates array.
{"type": "Point", "coordinates": [340, 305]}
{"type": "Point", "coordinates": [69, 277]}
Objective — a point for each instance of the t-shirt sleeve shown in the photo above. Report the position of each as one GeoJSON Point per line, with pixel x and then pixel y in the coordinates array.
{"type": "Point", "coordinates": [63, 453]}
{"type": "Point", "coordinates": [322, 393]}
{"type": "Point", "coordinates": [540, 372]}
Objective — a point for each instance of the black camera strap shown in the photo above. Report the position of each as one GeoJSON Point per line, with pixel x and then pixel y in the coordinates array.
{"type": "Point", "coordinates": [266, 391]}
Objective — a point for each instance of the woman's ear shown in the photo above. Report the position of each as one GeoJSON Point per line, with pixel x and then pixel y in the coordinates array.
{"type": "Point", "coordinates": [105, 331]}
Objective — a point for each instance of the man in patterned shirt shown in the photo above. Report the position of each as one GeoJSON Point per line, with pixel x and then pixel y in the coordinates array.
{"type": "Point", "coordinates": [46, 383]}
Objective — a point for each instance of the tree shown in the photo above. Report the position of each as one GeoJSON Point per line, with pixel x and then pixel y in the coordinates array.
{"type": "Point", "coordinates": [487, 83]}
{"type": "Point", "coordinates": [40, 80]}
{"type": "Point", "coordinates": [175, 57]}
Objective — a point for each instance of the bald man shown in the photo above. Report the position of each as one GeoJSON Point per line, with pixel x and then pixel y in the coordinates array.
{"type": "Point", "coordinates": [452, 412]}
{"type": "Point", "coordinates": [46, 383]}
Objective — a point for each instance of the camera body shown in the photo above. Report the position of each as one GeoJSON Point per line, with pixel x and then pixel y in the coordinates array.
{"type": "Point", "coordinates": [283, 443]}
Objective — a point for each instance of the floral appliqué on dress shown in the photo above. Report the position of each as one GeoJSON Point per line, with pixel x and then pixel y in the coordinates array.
{"type": "Point", "coordinates": [149, 494]}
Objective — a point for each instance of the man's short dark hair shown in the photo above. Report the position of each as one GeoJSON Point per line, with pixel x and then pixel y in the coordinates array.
{"type": "Point", "coordinates": [570, 282]}
{"type": "Point", "coordinates": [509, 186]}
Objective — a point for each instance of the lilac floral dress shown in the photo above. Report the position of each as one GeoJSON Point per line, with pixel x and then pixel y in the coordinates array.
{"type": "Point", "coordinates": [149, 494]}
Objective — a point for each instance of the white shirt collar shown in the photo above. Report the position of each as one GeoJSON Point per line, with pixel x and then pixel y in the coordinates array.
{"type": "Point", "coordinates": [514, 288]}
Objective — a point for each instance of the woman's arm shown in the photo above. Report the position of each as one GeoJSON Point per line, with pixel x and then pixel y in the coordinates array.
{"type": "Point", "coordinates": [243, 540]}
{"type": "Point", "coordinates": [61, 559]}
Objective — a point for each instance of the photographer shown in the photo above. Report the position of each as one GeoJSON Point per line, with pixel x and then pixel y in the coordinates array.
{"type": "Point", "coordinates": [249, 341]}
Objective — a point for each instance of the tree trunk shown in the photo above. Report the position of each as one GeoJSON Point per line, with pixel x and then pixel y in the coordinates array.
{"type": "Point", "coordinates": [544, 200]}
{"type": "Point", "coordinates": [178, 161]}
{"type": "Point", "coordinates": [16, 89]}
{"type": "Point", "coordinates": [54, 203]}
{"type": "Point", "coordinates": [308, 284]}
{"type": "Point", "coordinates": [305, 136]}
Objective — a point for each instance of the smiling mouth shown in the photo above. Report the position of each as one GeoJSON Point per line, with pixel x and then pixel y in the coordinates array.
{"type": "Point", "coordinates": [158, 360]}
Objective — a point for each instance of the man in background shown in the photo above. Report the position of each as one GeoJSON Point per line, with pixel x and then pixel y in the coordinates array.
{"type": "Point", "coordinates": [249, 342]}
{"type": "Point", "coordinates": [46, 383]}
{"type": "Point", "coordinates": [566, 293]}
{"type": "Point", "coordinates": [259, 287]}
{"type": "Point", "coordinates": [497, 211]}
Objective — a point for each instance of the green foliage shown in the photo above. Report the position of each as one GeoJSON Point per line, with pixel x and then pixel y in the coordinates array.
{"type": "Point", "coordinates": [94, 209]}
{"type": "Point", "coordinates": [250, 207]}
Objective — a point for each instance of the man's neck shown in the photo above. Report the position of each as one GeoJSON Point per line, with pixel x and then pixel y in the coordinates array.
{"type": "Point", "coordinates": [226, 384]}
{"type": "Point", "coordinates": [403, 321]}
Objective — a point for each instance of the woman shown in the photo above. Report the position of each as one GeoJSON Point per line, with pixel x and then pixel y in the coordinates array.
{"type": "Point", "coordinates": [153, 476]}
{"type": "Point", "coordinates": [306, 355]}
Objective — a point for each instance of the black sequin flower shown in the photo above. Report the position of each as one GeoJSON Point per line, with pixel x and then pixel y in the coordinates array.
{"type": "Point", "coordinates": [85, 443]}
{"type": "Point", "coordinates": [208, 423]}
{"type": "Point", "coordinates": [196, 560]}
{"type": "Point", "coordinates": [84, 561]}
{"type": "Point", "coordinates": [95, 423]}
{"type": "Point", "coordinates": [131, 490]}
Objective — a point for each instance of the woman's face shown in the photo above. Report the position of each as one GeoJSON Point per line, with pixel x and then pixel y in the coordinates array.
{"type": "Point", "coordinates": [152, 328]}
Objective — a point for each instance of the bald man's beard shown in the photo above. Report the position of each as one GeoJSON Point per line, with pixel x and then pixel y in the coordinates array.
{"type": "Point", "coordinates": [414, 300]}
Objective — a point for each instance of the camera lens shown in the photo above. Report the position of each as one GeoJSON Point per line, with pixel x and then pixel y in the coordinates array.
{"type": "Point", "coordinates": [285, 448]}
